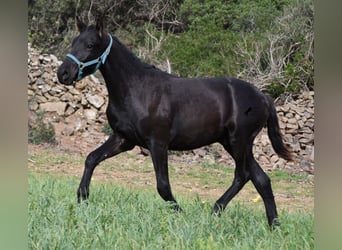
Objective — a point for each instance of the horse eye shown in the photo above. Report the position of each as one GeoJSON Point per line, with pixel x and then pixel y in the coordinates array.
{"type": "Point", "coordinates": [90, 46]}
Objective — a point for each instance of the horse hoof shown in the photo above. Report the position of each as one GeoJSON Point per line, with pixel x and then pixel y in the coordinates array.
{"type": "Point", "coordinates": [275, 223]}
{"type": "Point", "coordinates": [176, 207]}
{"type": "Point", "coordinates": [217, 210]}
{"type": "Point", "coordinates": [82, 195]}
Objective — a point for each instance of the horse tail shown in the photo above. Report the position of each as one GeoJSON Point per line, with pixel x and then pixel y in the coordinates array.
{"type": "Point", "coordinates": [275, 135]}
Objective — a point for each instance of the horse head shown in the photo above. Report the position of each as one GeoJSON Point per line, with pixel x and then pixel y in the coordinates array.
{"type": "Point", "coordinates": [88, 52]}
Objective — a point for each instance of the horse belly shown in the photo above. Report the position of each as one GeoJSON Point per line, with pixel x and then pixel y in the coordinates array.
{"type": "Point", "coordinates": [195, 131]}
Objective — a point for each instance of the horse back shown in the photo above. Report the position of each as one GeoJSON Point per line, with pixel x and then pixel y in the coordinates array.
{"type": "Point", "coordinates": [206, 110]}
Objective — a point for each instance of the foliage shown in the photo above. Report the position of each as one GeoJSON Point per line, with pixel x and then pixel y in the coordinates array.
{"type": "Point", "coordinates": [283, 59]}
{"type": "Point", "coordinates": [237, 16]}
{"type": "Point", "coordinates": [107, 129]}
{"type": "Point", "coordinates": [122, 218]}
{"type": "Point", "coordinates": [40, 131]}
{"type": "Point", "coordinates": [267, 42]}
{"type": "Point", "coordinates": [51, 23]}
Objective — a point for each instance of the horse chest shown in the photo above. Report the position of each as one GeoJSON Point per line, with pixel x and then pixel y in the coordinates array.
{"type": "Point", "coordinates": [124, 122]}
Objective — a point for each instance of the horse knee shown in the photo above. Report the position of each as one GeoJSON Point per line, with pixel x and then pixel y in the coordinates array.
{"type": "Point", "coordinates": [262, 180]}
{"type": "Point", "coordinates": [91, 160]}
{"type": "Point", "coordinates": [263, 185]}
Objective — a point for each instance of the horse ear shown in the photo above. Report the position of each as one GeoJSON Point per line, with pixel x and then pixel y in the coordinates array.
{"type": "Point", "coordinates": [99, 26]}
{"type": "Point", "coordinates": [81, 26]}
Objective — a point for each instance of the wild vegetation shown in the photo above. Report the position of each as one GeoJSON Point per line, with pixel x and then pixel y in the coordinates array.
{"type": "Point", "coordinates": [39, 130]}
{"type": "Point", "coordinates": [268, 42]}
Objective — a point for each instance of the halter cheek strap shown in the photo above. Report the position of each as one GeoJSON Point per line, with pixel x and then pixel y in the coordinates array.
{"type": "Point", "coordinates": [97, 61]}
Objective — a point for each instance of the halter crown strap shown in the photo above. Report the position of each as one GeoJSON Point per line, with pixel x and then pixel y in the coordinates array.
{"type": "Point", "coordinates": [97, 61]}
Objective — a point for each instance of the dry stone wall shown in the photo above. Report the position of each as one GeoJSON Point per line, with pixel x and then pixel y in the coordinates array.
{"type": "Point", "coordinates": [81, 109]}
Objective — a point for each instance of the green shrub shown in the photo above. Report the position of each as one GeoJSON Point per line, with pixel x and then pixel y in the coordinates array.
{"type": "Point", "coordinates": [39, 131]}
{"type": "Point", "coordinates": [107, 129]}
{"type": "Point", "coordinates": [280, 59]}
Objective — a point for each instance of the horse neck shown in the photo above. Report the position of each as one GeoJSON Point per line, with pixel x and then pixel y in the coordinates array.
{"type": "Point", "coordinates": [121, 67]}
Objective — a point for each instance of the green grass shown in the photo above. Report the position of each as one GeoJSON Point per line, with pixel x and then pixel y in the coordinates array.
{"type": "Point", "coordinates": [120, 217]}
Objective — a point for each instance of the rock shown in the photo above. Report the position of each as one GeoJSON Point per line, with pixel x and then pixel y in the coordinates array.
{"type": "Point", "coordinates": [58, 107]}
{"type": "Point", "coordinates": [68, 131]}
{"type": "Point", "coordinates": [264, 160]}
{"type": "Point", "coordinates": [306, 138]}
{"type": "Point", "coordinates": [80, 85]}
{"type": "Point", "coordinates": [67, 97]}
{"type": "Point", "coordinates": [292, 126]}
{"type": "Point", "coordinates": [40, 99]}
{"type": "Point", "coordinates": [292, 120]}
{"type": "Point", "coordinates": [200, 152]}
{"type": "Point", "coordinates": [90, 115]}
{"type": "Point", "coordinates": [33, 105]}
{"type": "Point", "coordinates": [44, 88]}
{"type": "Point", "coordinates": [96, 100]}
{"type": "Point", "coordinates": [312, 155]}
{"type": "Point", "coordinates": [69, 110]}
{"type": "Point", "coordinates": [264, 140]}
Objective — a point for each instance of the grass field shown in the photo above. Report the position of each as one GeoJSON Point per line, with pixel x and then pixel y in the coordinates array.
{"type": "Point", "coordinates": [121, 215]}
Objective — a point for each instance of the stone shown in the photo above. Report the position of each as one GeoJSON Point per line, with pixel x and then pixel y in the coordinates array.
{"type": "Point", "coordinates": [44, 88]}
{"type": "Point", "coordinates": [33, 105]}
{"type": "Point", "coordinates": [73, 91]}
{"type": "Point", "coordinates": [300, 123]}
{"type": "Point", "coordinates": [274, 159]}
{"type": "Point", "coordinates": [200, 152]}
{"type": "Point", "coordinates": [90, 114]}
{"type": "Point", "coordinates": [292, 120]}
{"type": "Point", "coordinates": [54, 59]}
{"type": "Point", "coordinates": [70, 110]}
{"type": "Point", "coordinates": [306, 138]}
{"type": "Point", "coordinates": [68, 131]}
{"type": "Point", "coordinates": [67, 97]}
{"type": "Point", "coordinates": [264, 140]}
{"type": "Point", "coordinates": [40, 99]}
{"type": "Point", "coordinates": [95, 100]}
{"type": "Point", "coordinates": [80, 85]}
{"type": "Point", "coordinates": [84, 101]}
{"type": "Point", "coordinates": [292, 126]}
{"type": "Point", "coordinates": [263, 160]}
{"type": "Point", "coordinates": [58, 107]}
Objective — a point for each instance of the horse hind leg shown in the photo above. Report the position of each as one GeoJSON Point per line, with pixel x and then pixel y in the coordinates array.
{"type": "Point", "coordinates": [241, 176]}
{"type": "Point", "coordinates": [262, 184]}
{"type": "Point", "coordinates": [113, 146]}
{"type": "Point", "coordinates": [248, 169]}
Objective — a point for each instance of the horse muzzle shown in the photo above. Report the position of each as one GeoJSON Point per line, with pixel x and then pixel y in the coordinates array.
{"type": "Point", "coordinates": [67, 74]}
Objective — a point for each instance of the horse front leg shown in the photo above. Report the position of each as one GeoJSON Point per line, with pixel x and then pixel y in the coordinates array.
{"type": "Point", "coordinates": [160, 163]}
{"type": "Point", "coordinates": [114, 145]}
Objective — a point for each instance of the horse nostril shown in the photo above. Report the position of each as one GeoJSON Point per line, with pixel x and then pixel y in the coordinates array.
{"type": "Point", "coordinates": [62, 75]}
{"type": "Point", "coordinates": [65, 75]}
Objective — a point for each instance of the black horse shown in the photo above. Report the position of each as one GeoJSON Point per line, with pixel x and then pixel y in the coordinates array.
{"type": "Point", "coordinates": [158, 111]}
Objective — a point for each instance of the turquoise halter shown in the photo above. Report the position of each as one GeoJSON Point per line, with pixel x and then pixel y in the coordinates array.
{"type": "Point", "coordinates": [97, 61]}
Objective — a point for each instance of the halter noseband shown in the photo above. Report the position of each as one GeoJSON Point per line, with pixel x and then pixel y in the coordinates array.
{"type": "Point", "coordinates": [97, 61]}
